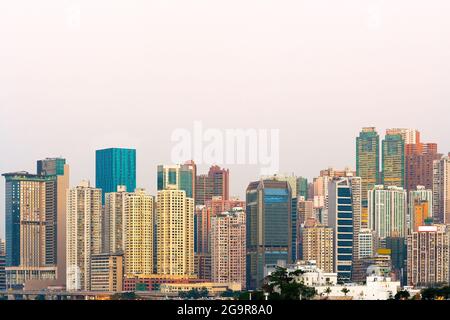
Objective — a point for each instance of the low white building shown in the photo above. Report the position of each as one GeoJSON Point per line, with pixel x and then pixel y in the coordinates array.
{"type": "Point", "coordinates": [311, 277]}
{"type": "Point", "coordinates": [377, 288]}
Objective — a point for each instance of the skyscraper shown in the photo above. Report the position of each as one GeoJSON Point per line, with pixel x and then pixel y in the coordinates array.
{"type": "Point", "coordinates": [84, 234]}
{"type": "Point", "coordinates": [214, 184]}
{"type": "Point", "coordinates": [393, 161]}
{"type": "Point", "coordinates": [428, 256]}
{"type": "Point", "coordinates": [139, 245]}
{"type": "Point", "coordinates": [388, 212]}
{"type": "Point", "coordinates": [228, 247]}
{"type": "Point", "coordinates": [175, 233]}
{"type": "Point", "coordinates": [441, 190]}
{"type": "Point", "coordinates": [344, 217]}
{"type": "Point", "coordinates": [115, 167]}
{"type": "Point", "coordinates": [30, 209]}
{"type": "Point", "coordinates": [367, 165]}
{"type": "Point", "coordinates": [56, 253]}
{"type": "Point", "coordinates": [180, 177]}
{"type": "Point", "coordinates": [269, 227]}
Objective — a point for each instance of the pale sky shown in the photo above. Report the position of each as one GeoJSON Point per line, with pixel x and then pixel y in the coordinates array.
{"type": "Point", "coordinates": [80, 75]}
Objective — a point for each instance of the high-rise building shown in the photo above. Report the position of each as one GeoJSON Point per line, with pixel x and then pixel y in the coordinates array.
{"type": "Point", "coordinates": [57, 248]}
{"type": "Point", "coordinates": [202, 236]}
{"type": "Point", "coordinates": [107, 272]}
{"type": "Point", "coordinates": [2, 246]}
{"type": "Point", "coordinates": [84, 234]}
{"type": "Point", "coordinates": [114, 221]}
{"type": "Point", "coordinates": [420, 207]}
{"type": "Point", "coordinates": [30, 209]}
{"type": "Point", "coordinates": [35, 221]}
{"type": "Point", "coordinates": [317, 245]}
{"type": "Point", "coordinates": [428, 256]}
{"type": "Point", "coordinates": [228, 247]}
{"type": "Point", "coordinates": [302, 188]}
{"type": "Point", "coordinates": [388, 212]}
{"type": "Point", "coordinates": [115, 167]}
{"type": "Point", "coordinates": [214, 184]}
{"type": "Point", "coordinates": [269, 227]}
{"type": "Point", "coordinates": [441, 190]}
{"type": "Point", "coordinates": [179, 177]}
{"type": "Point", "coordinates": [139, 233]}
{"type": "Point", "coordinates": [344, 216]}
{"type": "Point", "coordinates": [202, 231]}
{"type": "Point", "coordinates": [175, 233]}
{"type": "Point", "coordinates": [393, 161]}
{"type": "Point", "coordinates": [419, 165]}
{"type": "Point", "coordinates": [367, 166]}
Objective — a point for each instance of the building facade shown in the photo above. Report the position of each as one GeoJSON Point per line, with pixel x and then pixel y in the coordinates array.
{"type": "Point", "coordinates": [139, 233]}
{"type": "Point", "coordinates": [269, 227]}
{"type": "Point", "coordinates": [367, 166]}
{"type": "Point", "coordinates": [344, 217]}
{"type": "Point", "coordinates": [317, 245]}
{"type": "Point", "coordinates": [228, 247]}
{"type": "Point", "coordinates": [175, 233]}
{"type": "Point", "coordinates": [107, 272]}
{"type": "Point", "coordinates": [388, 212]}
{"type": "Point", "coordinates": [84, 234]}
{"type": "Point", "coordinates": [115, 167]}
{"type": "Point", "coordinates": [428, 256]}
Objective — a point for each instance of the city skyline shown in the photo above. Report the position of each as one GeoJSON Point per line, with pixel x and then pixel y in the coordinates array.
{"type": "Point", "coordinates": [237, 172]}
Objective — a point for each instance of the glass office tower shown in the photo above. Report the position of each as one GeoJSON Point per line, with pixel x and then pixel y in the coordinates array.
{"type": "Point", "coordinates": [115, 167]}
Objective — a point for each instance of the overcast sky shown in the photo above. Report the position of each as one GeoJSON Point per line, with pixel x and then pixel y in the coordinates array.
{"type": "Point", "coordinates": [81, 75]}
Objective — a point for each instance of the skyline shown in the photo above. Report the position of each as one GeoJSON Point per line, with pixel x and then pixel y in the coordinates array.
{"type": "Point", "coordinates": [78, 76]}
{"type": "Point", "coordinates": [236, 189]}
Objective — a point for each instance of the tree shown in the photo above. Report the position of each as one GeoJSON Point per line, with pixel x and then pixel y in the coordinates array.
{"type": "Point", "coordinates": [327, 291]}
{"type": "Point", "coordinates": [282, 285]}
{"type": "Point", "coordinates": [195, 294]}
{"type": "Point", "coordinates": [345, 291]}
{"type": "Point", "coordinates": [125, 296]}
{"type": "Point", "coordinates": [40, 297]}
{"type": "Point", "coordinates": [402, 295]}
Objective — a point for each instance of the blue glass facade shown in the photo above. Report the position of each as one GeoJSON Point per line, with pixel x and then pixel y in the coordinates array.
{"type": "Point", "coordinates": [269, 216]}
{"type": "Point", "coordinates": [12, 226]}
{"type": "Point", "coordinates": [115, 167]}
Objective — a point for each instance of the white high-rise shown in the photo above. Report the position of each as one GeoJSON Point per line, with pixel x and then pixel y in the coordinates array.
{"type": "Point", "coordinates": [388, 211]}
{"type": "Point", "coordinates": [84, 209]}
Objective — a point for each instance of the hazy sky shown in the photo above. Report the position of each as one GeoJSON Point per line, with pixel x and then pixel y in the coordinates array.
{"type": "Point", "coordinates": [81, 75]}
